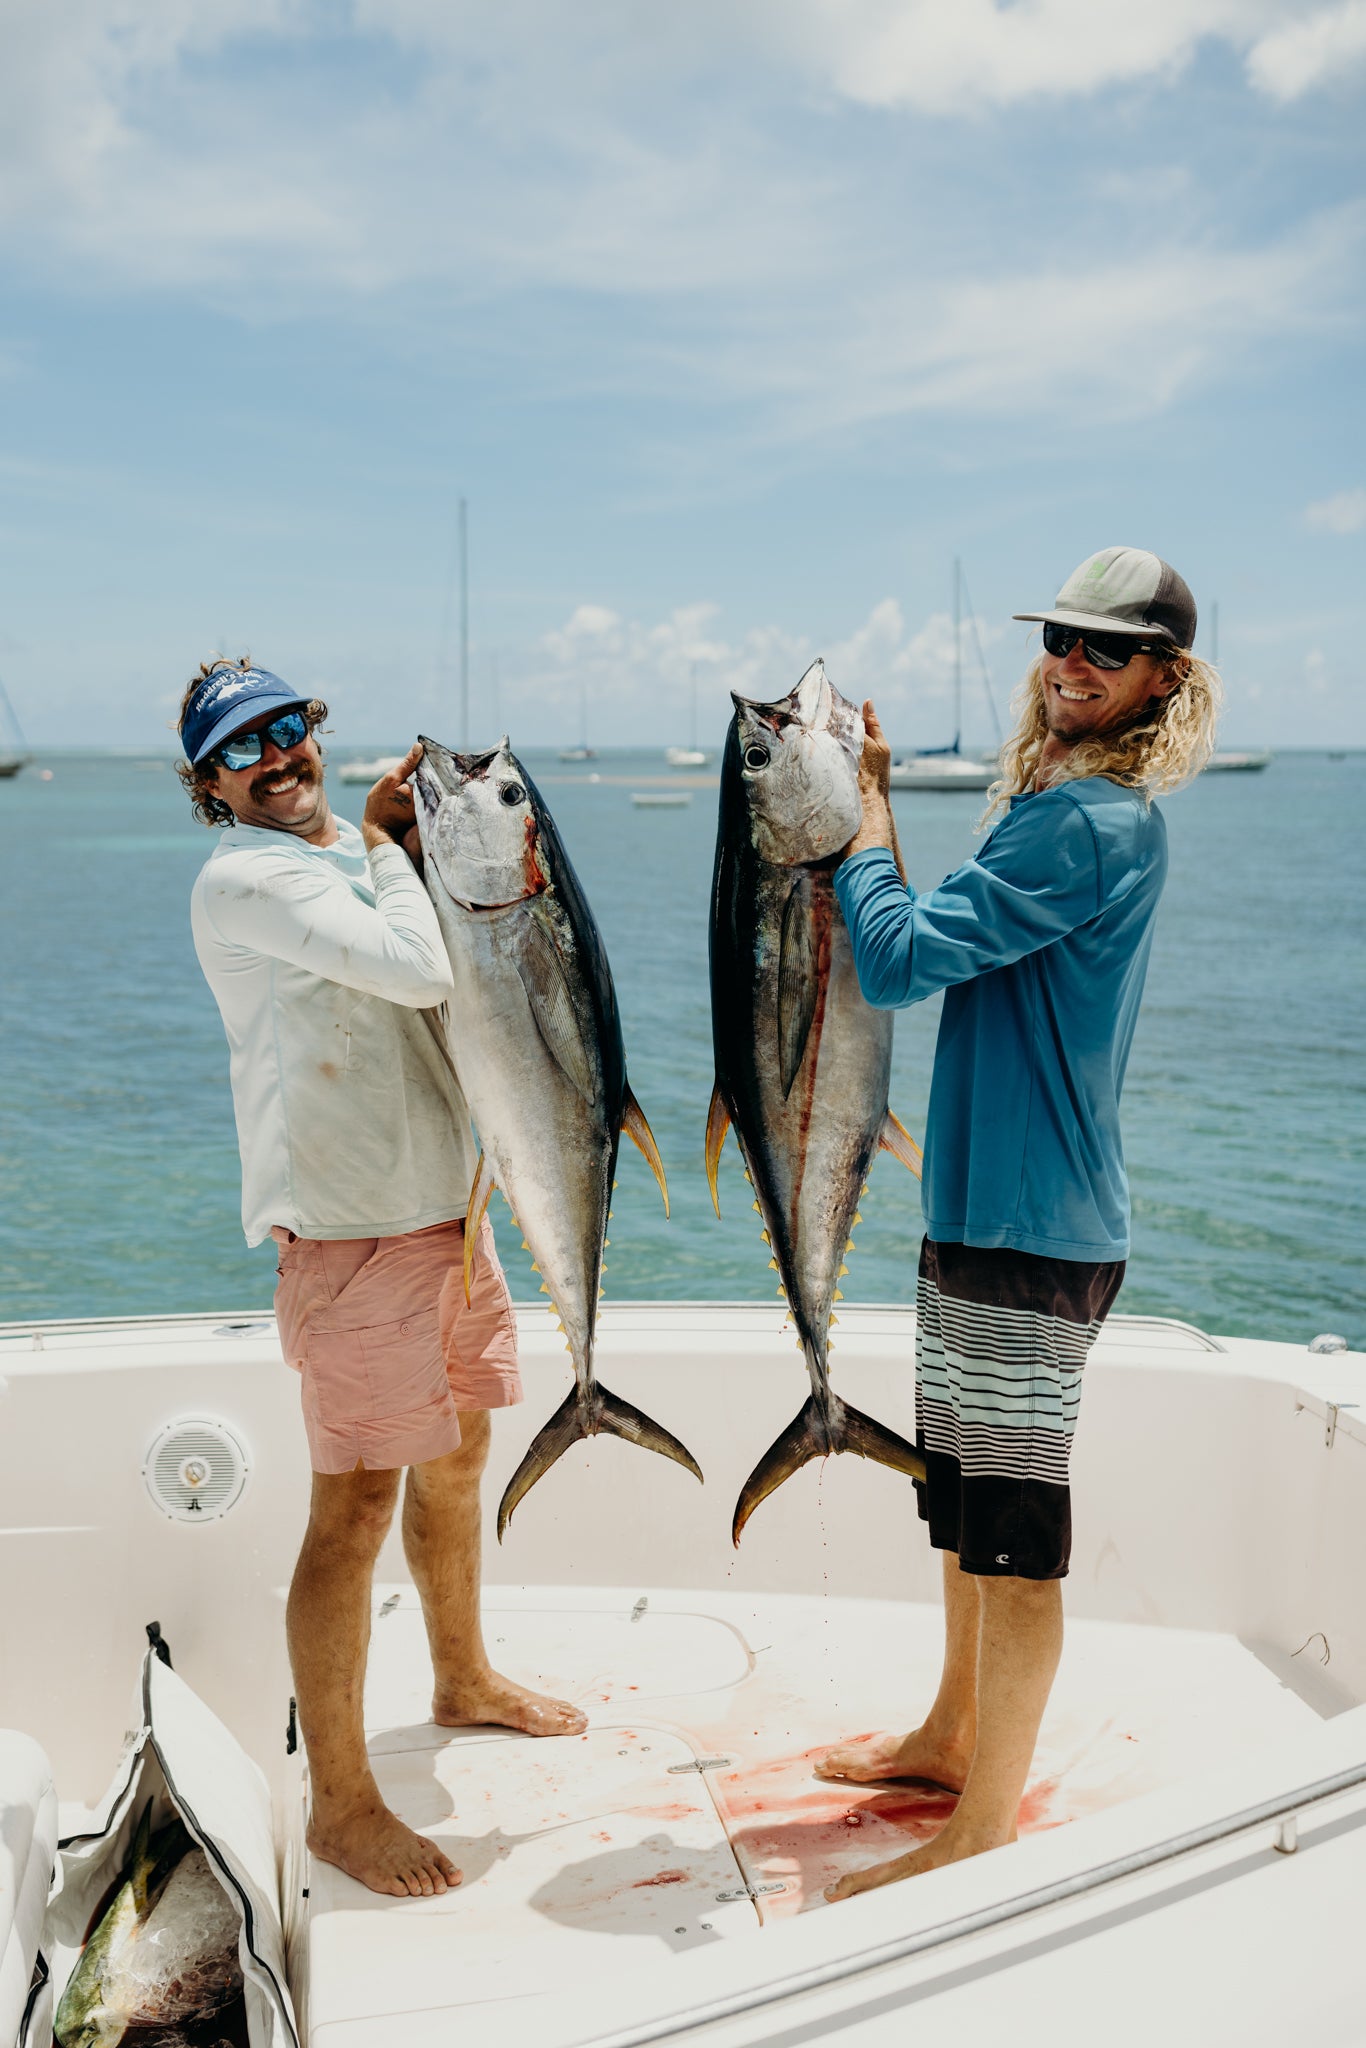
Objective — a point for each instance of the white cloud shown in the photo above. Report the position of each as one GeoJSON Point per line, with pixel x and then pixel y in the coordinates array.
{"type": "Point", "coordinates": [955, 56]}
{"type": "Point", "coordinates": [669, 175]}
{"type": "Point", "coordinates": [1344, 512]}
{"type": "Point", "coordinates": [626, 669]}
{"type": "Point", "coordinates": [1323, 48]}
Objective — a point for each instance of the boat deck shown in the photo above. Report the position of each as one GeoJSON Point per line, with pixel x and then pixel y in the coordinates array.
{"type": "Point", "coordinates": [687, 1815]}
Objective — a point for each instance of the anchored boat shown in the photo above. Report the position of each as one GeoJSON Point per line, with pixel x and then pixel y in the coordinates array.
{"type": "Point", "coordinates": [949, 768]}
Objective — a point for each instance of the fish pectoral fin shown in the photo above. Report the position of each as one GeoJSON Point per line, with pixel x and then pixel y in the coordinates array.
{"type": "Point", "coordinates": [542, 973]}
{"type": "Point", "coordinates": [897, 1140]}
{"type": "Point", "coordinates": [639, 1132]}
{"type": "Point", "coordinates": [604, 1414]}
{"type": "Point", "coordinates": [718, 1123]}
{"type": "Point", "coordinates": [819, 1432]}
{"type": "Point", "coordinates": [474, 1216]}
{"type": "Point", "coordinates": [797, 984]}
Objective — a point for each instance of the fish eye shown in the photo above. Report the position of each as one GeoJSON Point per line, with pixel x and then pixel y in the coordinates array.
{"type": "Point", "coordinates": [756, 756]}
{"type": "Point", "coordinates": [511, 793]}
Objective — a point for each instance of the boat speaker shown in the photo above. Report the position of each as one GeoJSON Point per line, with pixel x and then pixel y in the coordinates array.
{"type": "Point", "coordinates": [195, 1470]}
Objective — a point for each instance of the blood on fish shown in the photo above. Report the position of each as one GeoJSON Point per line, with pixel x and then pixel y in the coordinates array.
{"type": "Point", "coordinates": [534, 875]}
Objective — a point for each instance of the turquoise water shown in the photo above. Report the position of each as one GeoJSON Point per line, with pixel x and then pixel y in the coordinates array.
{"type": "Point", "coordinates": [1244, 1107]}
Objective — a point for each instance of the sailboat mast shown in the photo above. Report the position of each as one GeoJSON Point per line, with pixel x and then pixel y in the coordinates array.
{"type": "Point", "coordinates": [464, 630]}
{"type": "Point", "coordinates": [957, 655]}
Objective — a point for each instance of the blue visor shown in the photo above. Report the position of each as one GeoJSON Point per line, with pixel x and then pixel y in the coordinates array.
{"type": "Point", "coordinates": [226, 701]}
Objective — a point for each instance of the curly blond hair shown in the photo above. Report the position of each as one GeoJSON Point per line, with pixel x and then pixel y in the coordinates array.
{"type": "Point", "coordinates": [1167, 744]}
{"type": "Point", "coordinates": [199, 783]}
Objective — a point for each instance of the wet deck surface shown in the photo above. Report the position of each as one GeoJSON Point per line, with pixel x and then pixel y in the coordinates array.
{"type": "Point", "coordinates": [609, 1850]}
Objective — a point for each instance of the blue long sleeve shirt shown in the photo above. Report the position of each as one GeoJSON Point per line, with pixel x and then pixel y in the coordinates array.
{"type": "Point", "coordinates": [1040, 944]}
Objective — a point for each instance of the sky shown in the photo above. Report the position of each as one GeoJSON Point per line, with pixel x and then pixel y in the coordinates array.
{"type": "Point", "coordinates": [734, 324]}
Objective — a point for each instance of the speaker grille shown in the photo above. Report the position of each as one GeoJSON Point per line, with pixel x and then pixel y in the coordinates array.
{"type": "Point", "coordinates": [195, 1470]}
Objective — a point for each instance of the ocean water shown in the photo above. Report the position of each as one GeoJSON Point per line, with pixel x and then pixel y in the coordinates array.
{"type": "Point", "coordinates": [1245, 1107]}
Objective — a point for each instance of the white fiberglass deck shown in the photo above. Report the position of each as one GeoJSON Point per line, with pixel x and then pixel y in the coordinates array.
{"type": "Point", "coordinates": [592, 1856]}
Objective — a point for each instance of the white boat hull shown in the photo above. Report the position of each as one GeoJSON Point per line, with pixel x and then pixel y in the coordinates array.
{"type": "Point", "coordinates": [1220, 1511]}
{"type": "Point", "coordinates": [942, 772]}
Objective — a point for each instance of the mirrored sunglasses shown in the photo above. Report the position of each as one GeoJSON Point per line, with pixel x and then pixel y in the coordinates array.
{"type": "Point", "coordinates": [245, 749]}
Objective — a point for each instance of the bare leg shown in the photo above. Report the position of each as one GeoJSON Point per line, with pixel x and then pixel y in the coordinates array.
{"type": "Point", "coordinates": [941, 1749]}
{"type": "Point", "coordinates": [441, 1544]}
{"type": "Point", "coordinates": [328, 1620]}
{"type": "Point", "coordinates": [1021, 1642]}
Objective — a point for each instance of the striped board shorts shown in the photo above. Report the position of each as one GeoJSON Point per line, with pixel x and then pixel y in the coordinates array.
{"type": "Point", "coordinates": [1001, 1340]}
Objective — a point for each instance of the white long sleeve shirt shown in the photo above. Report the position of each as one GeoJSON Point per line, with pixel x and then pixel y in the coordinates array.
{"type": "Point", "coordinates": [328, 967]}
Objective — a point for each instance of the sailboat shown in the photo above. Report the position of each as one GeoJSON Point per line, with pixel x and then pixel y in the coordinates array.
{"type": "Point", "coordinates": [1222, 763]}
{"type": "Point", "coordinates": [692, 755]}
{"type": "Point", "coordinates": [16, 756]}
{"type": "Point", "coordinates": [941, 768]}
{"type": "Point", "coordinates": [582, 752]}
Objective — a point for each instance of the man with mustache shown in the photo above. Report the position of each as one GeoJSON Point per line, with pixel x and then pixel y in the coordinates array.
{"type": "Point", "coordinates": [325, 957]}
{"type": "Point", "coordinates": [1040, 946]}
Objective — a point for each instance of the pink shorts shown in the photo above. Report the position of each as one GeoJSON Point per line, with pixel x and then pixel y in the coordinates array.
{"type": "Point", "coordinates": [379, 1329]}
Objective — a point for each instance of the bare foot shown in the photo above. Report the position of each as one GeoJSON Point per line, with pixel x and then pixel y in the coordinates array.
{"type": "Point", "coordinates": [920, 1755]}
{"type": "Point", "coordinates": [950, 1845]}
{"type": "Point", "coordinates": [373, 1846]}
{"type": "Point", "coordinates": [494, 1701]}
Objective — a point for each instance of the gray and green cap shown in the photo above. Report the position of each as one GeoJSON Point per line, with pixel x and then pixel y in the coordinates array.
{"type": "Point", "coordinates": [1125, 590]}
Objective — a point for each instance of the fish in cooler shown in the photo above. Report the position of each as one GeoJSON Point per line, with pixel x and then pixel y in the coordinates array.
{"type": "Point", "coordinates": [162, 1963]}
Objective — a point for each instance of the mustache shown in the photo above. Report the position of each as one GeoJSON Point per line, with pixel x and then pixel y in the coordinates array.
{"type": "Point", "coordinates": [300, 771]}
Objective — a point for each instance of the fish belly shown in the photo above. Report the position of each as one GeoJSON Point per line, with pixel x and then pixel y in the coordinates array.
{"type": "Point", "coordinates": [810, 1147]}
{"type": "Point", "coordinates": [552, 1152]}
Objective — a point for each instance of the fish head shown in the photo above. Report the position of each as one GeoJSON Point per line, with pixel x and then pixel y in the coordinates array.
{"type": "Point", "coordinates": [479, 825]}
{"type": "Point", "coordinates": [798, 762]}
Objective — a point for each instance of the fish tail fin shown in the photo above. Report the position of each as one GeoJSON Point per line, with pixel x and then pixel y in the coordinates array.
{"type": "Point", "coordinates": [604, 1414]}
{"type": "Point", "coordinates": [822, 1429]}
{"type": "Point", "coordinates": [614, 1417]}
{"type": "Point", "coordinates": [897, 1140]}
{"type": "Point", "coordinates": [718, 1123]}
{"type": "Point", "coordinates": [634, 1124]}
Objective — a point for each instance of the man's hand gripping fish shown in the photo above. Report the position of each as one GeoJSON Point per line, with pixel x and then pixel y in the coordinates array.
{"type": "Point", "coordinates": [536, 1041]}
{"type": "Point", "coordinates": [802, 1061]}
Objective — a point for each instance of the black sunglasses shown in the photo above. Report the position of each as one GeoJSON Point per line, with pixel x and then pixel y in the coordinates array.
{"type": "Point", "coordinates": [1102, 650]}
{"type": "Point", "coordinates": [245, 749]}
